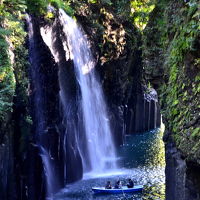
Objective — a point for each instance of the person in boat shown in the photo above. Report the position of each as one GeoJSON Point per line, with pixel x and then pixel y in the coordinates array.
{"type": "Point", "coordinates": [108, 185]}
{"type": "Point", "coordinates": [130, 183]}
{"type": "Point", "coordinates": [118, 185]}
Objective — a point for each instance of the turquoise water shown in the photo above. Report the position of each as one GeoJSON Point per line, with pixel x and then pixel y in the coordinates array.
{"type": "Point", "coordinates": [140, 158]}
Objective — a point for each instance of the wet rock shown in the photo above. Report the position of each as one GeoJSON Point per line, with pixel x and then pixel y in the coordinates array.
{"type": "Point", "coordinates": [182, 177]}
{"type": "Point", "coordinates": [177, 80]}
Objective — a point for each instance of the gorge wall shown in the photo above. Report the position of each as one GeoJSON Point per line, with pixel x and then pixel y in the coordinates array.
{"type": "Point", "coordinates": [37, 129]}
{"type": "Point", "coordinates": [31, 81]}
{"type": "Point", "coordinates": [116, 44]}
{"type": "Point", "coordinates": [171, 59]}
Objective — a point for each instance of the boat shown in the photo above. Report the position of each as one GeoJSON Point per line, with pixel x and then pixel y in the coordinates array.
{"type": "Point", "coordinates": [124, 189]}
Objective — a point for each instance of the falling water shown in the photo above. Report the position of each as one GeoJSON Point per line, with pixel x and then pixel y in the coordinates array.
{"type": "Point", "coordinates": [96, 123]}
{"type": "Point", "coordinates": [149, 116]}
{"type": "Point", "coordinates": [50, 178]}
{"type": "Point", "coordinates": [144, 112]}
{"type": "Point", "coordinates": [155, 114]}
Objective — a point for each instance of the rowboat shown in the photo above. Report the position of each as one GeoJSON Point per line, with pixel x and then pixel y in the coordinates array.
{"type": "Point", "coordinates": [124, 189]}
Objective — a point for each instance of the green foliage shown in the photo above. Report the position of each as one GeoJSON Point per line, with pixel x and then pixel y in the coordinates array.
{"type": "Point", "coordinates": [140, 10]}
{"type": "Point", "coordinates": [40, 7]}
{"type": "Point", "coordinates": [92, 1]}
{"type": "Point", "coordinates": [12, 6]}
{"type": "Point", "coordinates": [65, 5]}
{"type": "Point", "coordinates": [106, 2]}
{"type": "Point", "coordinates": [37, 7]}
{"type": "Point", "coordinates": [172, 38]}
{"type": "Point", "coordinates": [122, 7]}
{"type": "Point", "coordinates": [12, 61]}
{"type": "Point", "coordinates": [196, 133]}
{"type": "Point", "coordinates": [7, 80]}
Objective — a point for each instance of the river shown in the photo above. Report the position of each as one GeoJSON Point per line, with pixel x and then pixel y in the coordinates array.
{"type": "Point", "coordinates": [140, 158]}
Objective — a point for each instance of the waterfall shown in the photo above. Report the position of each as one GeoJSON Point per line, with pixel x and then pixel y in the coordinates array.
{"type": "Point", "coordinates": [99, 141]}
{"type": "Point", "coordinates": [149, 115]}
{"type": "Point", "coordinates": [50, 177]}
{"type": "Point", "coordinates": [144, 113]}
{"type": "Point", "coordinates": [155, 114]}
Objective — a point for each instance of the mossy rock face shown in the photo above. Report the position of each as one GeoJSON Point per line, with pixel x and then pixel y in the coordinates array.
{"type": "Point", "coordinates": [13, 94]}
{"type": "Point", "coordinates": [110, 30]}
{"type": "Point", "coordinates": [114, 42]}
{"type": "Point", "coordinates": [171, 58]}
{"type": "Point", "coordinates": [113, 38]}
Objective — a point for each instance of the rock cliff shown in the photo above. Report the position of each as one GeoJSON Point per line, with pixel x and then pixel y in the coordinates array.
{"type": "Point", "coordinates": [32, 114]}
{"type": "Point", "coordinates": [171, 61]}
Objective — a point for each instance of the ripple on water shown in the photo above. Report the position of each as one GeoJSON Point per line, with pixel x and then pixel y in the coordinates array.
{"type": "Point", "coordinates": [142, 159]}
{"type": "Point", "coordinates": [152, 179]}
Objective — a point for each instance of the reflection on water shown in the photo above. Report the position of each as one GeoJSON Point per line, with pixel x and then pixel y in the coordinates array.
{"type": "Point", "coordinates": [143, 150]}
{"type": "Point", "coordinates": [140, 158]}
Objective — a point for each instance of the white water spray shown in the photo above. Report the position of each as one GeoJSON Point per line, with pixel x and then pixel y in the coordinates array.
{"type": "Point", "coordinates": [48, 171]}
{"type": "Point", "coordinates": [97, 128]}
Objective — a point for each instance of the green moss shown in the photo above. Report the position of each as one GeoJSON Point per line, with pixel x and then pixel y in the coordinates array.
{"type": "Point", "coordinates": [65, 5]}
{"type": "Point", "coordinates": [7, 79]}
{"type": "Point", "coordinates": [12, 44]}
{"type": "Point", "coordinates": [196, 133]}
{"type": "Point", "coordinates": [173, 49]}
{"type": "Point", "coordinates": [92, 1]}
{"type": "Point", "coordinates": [40, 7]}
{"type": "Point", "coordinates": [37, 7]}
{"type": "Point", "coordinates": [140, 11]}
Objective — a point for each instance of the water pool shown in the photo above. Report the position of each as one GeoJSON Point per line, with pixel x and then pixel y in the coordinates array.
{"type": "Point", "coordinates": [140, 158]}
